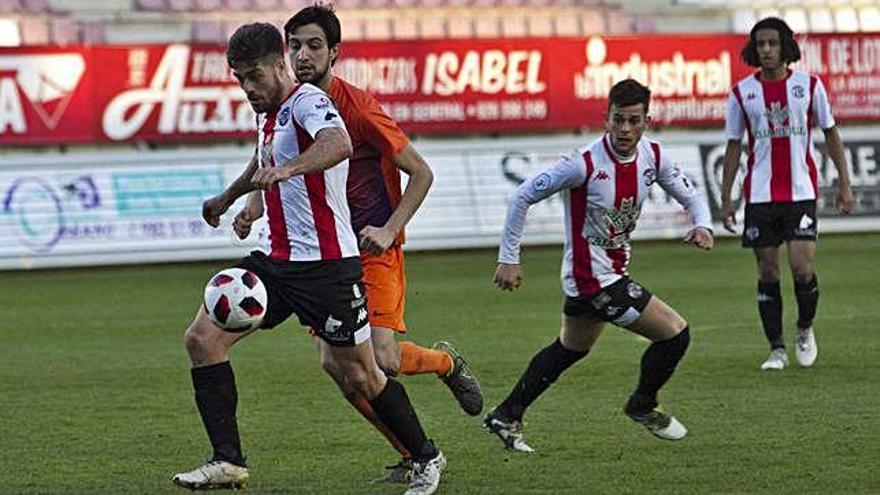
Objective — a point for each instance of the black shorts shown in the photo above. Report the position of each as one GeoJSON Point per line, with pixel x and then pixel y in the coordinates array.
{"type": "Point", "coordinates": [620, 303]}
{"type": "Point", "coordinates": [771, 224]}
{"type": "Point", "coordinates": [325, 295]}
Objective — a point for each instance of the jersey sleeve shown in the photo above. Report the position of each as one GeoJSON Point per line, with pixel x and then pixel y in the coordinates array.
{"type": "Point", "coordinates": [380, 130]}
{"type": "Point", "coordinates": [313, 110]}
{"type": "Point", "coordinates": [679, 186]}
{"type": "Point", "coordinates": [567, 173]}
{"type": "Point", "coordinates": [822, 107]}
{"type": "Point", "coordinates": [734, 120]}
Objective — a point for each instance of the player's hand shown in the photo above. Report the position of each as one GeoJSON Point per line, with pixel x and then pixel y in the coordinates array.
{"type": "Point", "coordinates": [700, 237]}
{"type": "Point", "coordinates": [508, 277]}
{"type": "Point", "coordinates": [376, 240]}
{"type": "Point", "coordinates": [728, 216]}
{"type": "Point", "coordinates": [212, 208]}
{"type": "Point", "coordinates": [845, 202]}
{"type": "Point", "coordinates": [266, 177]}
{"type": "Point", "coordinates": [245, 220]}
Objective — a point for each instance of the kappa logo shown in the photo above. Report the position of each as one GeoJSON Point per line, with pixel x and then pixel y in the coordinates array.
{"type": "Point", "coordinates": [602, 175]}
{"type": "Point", "coordinates": [751, 96]}
{"type": "Point", "coordinates": [47, 81]}
{"type": "Point", "coordinates": [330, 116]}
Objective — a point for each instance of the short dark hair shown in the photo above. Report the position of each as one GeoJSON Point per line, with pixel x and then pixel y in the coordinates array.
{"type": "Point", "coordinates": [629, 92]}
{"type": "Point", "coordinates": [252, 42]}
{"type": "Point", "coordinates": [791, 52]}
{"type": "Point", "coordinates": [323, 16]}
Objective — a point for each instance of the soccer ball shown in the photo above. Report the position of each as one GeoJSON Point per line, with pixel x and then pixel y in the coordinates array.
{"type": "Point", "coordinates": [235, 300]}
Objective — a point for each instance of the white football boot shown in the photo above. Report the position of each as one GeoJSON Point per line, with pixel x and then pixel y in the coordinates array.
{"type": "Point", "coordinates": [426, 475]}
{"type": "Point", "coordinates": [805, 350]}
{"type": "Point", "coordinates": [777, 360]}
{"type": "Point", "coordinates": [660, 423]}
{"type": "Point", "coordinates": [213, 475]}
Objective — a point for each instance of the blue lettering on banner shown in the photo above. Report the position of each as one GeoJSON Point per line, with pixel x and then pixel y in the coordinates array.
{"type": "Point", "coordinates": [170, 193]}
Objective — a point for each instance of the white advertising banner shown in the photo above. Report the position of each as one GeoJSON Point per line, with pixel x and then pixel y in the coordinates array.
{"type": "Point", "coordinates": [145, 206]}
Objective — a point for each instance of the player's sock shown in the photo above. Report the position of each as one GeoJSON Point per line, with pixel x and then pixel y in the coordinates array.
{"type": "Point", "coordinates": [658, 364]}
{"type": "Point", "coordinates": [363, 406]}
{"type": "Point", "coordinates": [217, 399]}
{"type": "Point", "coordinates": [807, 294]}
{"type": "Point", "coordinates": [770, 308]}
{"type": "Point", "coordinates": [393, 407]}
{"type": "Point", "coordinates": [416, 360]}
{"type": "Point", "coordinates": [544, 368]}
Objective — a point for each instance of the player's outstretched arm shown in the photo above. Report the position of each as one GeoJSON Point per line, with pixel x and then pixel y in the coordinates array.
{"type": "Point", "coordinates": [731, 165]}
{"type": "Point", "coordinates": [215, 206]}
{"type": "Point", "coordinates": [378, 239]}
{"type": "Point", "coordinates": [844, 198]}
{"type": "Point", "coordinates": [332, 145]}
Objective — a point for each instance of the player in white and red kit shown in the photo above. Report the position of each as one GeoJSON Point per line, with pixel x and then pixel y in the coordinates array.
{"type": "Point", "coordinates": [778, 108]}
{"type": "Point", "coordinates": [310, 266]}
{"type": "Point", "coordinates": [603, 186]}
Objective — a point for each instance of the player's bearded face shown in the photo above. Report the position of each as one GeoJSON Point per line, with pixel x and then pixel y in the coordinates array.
{"type": "Point", "coordinates": [769, 48]}
{"type": "Point", "coordinates": [310, 54]}
{"type": "Point", "coordinates": [261, 82]}
{"type": "Point", "coordinates": [626, 125]}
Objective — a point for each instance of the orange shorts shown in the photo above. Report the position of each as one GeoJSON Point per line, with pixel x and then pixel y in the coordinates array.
{"type": "Point", "coordinates": [385, 281]}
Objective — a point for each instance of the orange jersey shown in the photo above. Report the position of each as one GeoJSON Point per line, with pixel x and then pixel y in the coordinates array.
{"type": "Point", "coordinates": [373, 179]}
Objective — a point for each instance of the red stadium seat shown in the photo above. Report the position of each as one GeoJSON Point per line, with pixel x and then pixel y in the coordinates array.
{"type": "Point", "coordinates": [181, 5]}
{"type": "Point", "coordinates": [238, 5]}
{"type": "Point", "coordinates": [34, 31]}
{"type": "Point", "coordinates": [93, 33]}
{"type": "Point", "coordinates": [12, 6]}
{"type": "Point", "coordinates": [207, 32]}
{"type": "Point", "coordinates": [208, 5]}
{"type": "Point", "coordinates": [267, 5]}
{"type": "Point", "coordinates": [37, 6]}
{"type": "Point", "coordinates": [151, 5]}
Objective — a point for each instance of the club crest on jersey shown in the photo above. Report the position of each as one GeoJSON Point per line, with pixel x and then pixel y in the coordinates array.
{"type": "Point", "coordinates": [798, 91]}
{"type": "Point", "coordinates": [542, 182]}
{"type": "Point", "coordinates": [284, 116]}
{"type": "Point", "coordinates": [649, 176]}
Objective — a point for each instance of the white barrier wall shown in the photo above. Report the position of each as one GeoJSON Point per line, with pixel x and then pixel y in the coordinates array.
{"type": "Point", "coordinates": [145, 206]}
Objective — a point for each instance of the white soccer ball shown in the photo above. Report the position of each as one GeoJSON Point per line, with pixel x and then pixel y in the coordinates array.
{"type": "Point", "coordinates": [236, 300]}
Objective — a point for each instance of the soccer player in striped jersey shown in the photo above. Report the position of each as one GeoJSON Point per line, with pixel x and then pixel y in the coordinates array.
{"type": "Point", "coordinates": [310, 264]}
{"type": "Point", "coordinates": [778, 108]}
{"type": "Point", "coordinates": [603, 186]}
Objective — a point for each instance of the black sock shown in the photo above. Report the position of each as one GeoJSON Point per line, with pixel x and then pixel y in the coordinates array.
{"type": "Point", "coordinates": [807, 294]}
{"type": "Point", "coordinates": [543, 370]}
{"type": "Point", "coordinates": [393, 407]}
{"type": "Point", "coordinates": [770, 308]}
{"type": "Point", "coordinates": [217, 399]}
{"type": "Point", "coordinates": [658, 364]}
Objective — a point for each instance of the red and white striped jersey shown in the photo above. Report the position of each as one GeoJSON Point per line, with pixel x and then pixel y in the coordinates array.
{"type": "Point", "coordinates": [308, 214]}
{"type": "Point", "coordinates": [603, 199]}
{"type": "Point", "coordinates": [779, 116]}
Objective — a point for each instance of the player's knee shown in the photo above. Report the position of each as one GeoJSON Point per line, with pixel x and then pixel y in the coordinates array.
{"type": "Point", "coordinates": [363, 381]}
{"type": "Point", "coordinates": [388, 359]}
{"type": "Point", "coordinates": [802, 274]}
{"type": "Point", "coordinates": [202, 343]}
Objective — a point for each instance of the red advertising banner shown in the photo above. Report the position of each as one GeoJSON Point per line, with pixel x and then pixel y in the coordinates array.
{"type": "Point", "coordinates": [185, 93]}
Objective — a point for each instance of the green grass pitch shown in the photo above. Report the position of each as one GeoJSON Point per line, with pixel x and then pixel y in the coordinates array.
{"type": "Point", "coordinates": [96, 395]}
